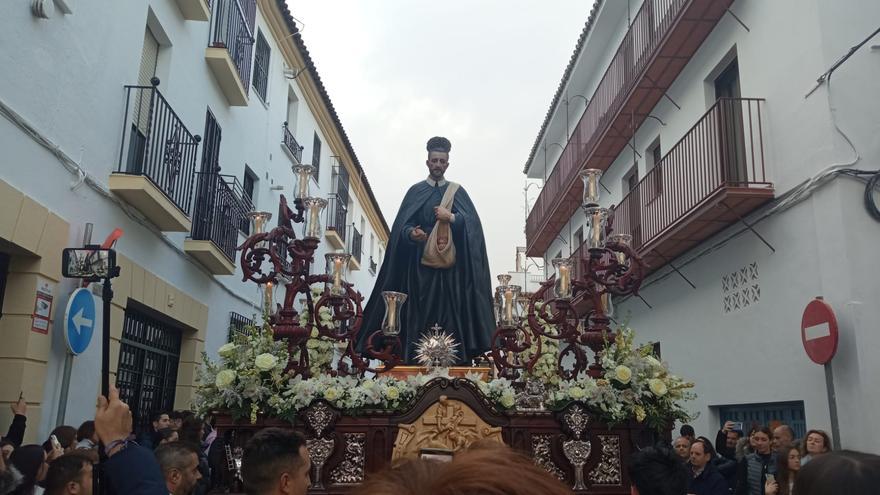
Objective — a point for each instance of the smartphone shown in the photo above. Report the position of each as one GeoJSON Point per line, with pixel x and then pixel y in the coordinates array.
{"type": "Point", "coordinates": [737, 426]}
{"type": "Point", "coordinates": [771, 477]}
{"type": "Point", "coordinates": [55, 443]}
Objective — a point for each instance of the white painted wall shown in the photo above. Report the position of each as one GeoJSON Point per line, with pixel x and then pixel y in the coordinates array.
{"type": "Point", "coordinates": [824, 245]}
{"type": "Point", "coordinates": [65, 77]}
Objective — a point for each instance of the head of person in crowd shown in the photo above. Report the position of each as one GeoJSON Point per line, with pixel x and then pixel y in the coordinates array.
{"type": "Point", "coordinates": [732, 438]}
{"type": "Point", "coordinates": [485, 468]}
{"type": "Point", "coordinates": [192, 430]}
{"type": "Point", "coordinates": [682, 446]}
{"type": "Point", "coordinates": [688, 432]}
{"type": "Point", "coordinates": [160, 420]}
{"type": "Point", "coordinates": [6, 448]}
{"type": "Point", "coordinates": [70, 474]}
{"type": "Point", "coordinates": [788, 463]}
{"type": "Point", "coordinates": [86, 436]}
{"type": "Point", "coordinates": [276, 461]}
{"type": "Point", "coordinates": [66, 436]}
{"type": "Point", "coordinates": [701, 454]}
{"type": "Point", "coordinates": [167, 435]}
{"type": "Point", "coordinates": [760, 440]}
{"type": "Point", "coordinates": [30, 461]}
{"type": "Point", "coordinates": [179, 462]}
{"type": "Point", "coordinates": [844, 472]}
{"type": "Point", "coordinates": [817, 442]}
{"type": "Point", "coordinates": [657, 471]}
{"type": "Point", "coordinates": [783, 436]}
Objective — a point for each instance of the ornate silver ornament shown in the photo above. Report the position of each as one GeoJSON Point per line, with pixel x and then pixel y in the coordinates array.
{"type": "Point", "coordinates": [543, 458]}
{"type": "Point", "coordinates": [437, 349]}
{"type": "Point", "coordinates": [607, 472]}
{"type": "Point", "coordinates": [351, 469]}
{"type": "Point", "coordinates": [319, 451]}
{"type": "Point", "coordinates": [576, 420]}
{"type": "Point", "coordinates": [577, 452]}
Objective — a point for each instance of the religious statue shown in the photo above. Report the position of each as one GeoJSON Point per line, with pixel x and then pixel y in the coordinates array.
{"type": "Point", "coordinates": [436, 254]}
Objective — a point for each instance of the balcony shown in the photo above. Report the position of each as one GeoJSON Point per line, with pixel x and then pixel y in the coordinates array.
{"type": "Point", "coordinates": [663, 36]}
{"type": "Point", "coordinates": [156, 160]}
{"type": "Point", "coordinates": [194, 10]}
{"type": "Point", "coordinates": [229, 50]}
{"type": "Point", "coordinates": [372, 266]}
{"type": "Point", "coordinates": [711, 178]}
{"type": "Point", "coordinates": [290, 145]}
{"type": "Point", "coordinates": [356, 241]}
{"type": "Point", "coordinates": [336, 217]}
{"type": "Point", "coordinates": [220, 211]}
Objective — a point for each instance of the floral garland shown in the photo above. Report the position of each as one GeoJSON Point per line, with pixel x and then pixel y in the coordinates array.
{"type": "Point", "coordinates": [249, 379]}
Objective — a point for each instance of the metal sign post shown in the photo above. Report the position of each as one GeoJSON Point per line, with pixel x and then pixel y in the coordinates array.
{"type": "Point", "coordinates": [819, 334]}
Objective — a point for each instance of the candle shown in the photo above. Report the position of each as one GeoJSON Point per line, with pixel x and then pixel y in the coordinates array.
{"type": "Point", "coordinates": [596, 230]}
{"type": "Point", "coordinates": [621, 257]}
{"type": "Point", "coordinates": [303, 184]}
{"type": "Point", "coordinates": [337, 273]}
{"type": "Point", "coordinates": [268, 297]}
{"type": "Point", "coordinates": [564, 280]}
{"type": "Point", "coordinates": [313, 222]}
{"type": "Point", "coordinates": [508, 306]}
{"type": "Point", "coordinates": [392, 313]}
{"type": "Point", "coordinates": [593, 187]}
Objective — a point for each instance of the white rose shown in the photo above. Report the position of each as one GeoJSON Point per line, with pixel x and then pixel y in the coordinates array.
{"type": "Point", "coordinates": [623, 374]}
{"type": "Point", "coordinates": [224, 378]}
{"type": "Point", "coordinates": [392, 393]}
{"type": "Point", "coordinates": [227, 350]}
{"type": "Point", "coordinates": [657, 387]}
{"type": "Point", "coordinates": [507, 399]}
{"type": "Point", "coordinates": [576, 393]}
{"type": "Point", "coordinates": [331, 394]}
{"type": "Point", "coordinates": [265, 361]}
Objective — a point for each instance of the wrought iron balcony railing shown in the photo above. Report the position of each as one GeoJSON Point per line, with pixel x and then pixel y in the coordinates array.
{"type": "Point", "coordinates": [662, 36]}
{"type": "Point", "coordinates": [232, 28]}
{"type": "Point", "coordinates": [724, 149]}
{"type": "Point", "coordinates": [337, 214]}
{"type": "Point", "coordinates": [220, 210]}
{"type": "Point", "coordinates": [157, 145]}
{"type": "Point", "coordinates": [291, 144]}
{"type": "Point", "coordinates": [372, 265]}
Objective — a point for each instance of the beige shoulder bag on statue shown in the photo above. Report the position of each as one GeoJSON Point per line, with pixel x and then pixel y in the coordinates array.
{"type": "Point", "coordinates": [433, 256]}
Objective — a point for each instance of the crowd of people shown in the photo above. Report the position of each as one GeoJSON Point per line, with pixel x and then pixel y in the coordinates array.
{"type": "Point", "coordinates": [764, 462]}
{"type": "Point", "coordinates": [171, 457]}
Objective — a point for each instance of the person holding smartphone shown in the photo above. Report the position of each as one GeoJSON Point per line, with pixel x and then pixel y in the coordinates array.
{"type": "Point", "coordinates": [753, 469]}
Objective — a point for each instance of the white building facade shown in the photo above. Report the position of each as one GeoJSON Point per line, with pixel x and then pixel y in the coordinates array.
{"type": "Point", "coordinates": [171, 120]}
{"type": "Point", "coordinates": [738, 175]}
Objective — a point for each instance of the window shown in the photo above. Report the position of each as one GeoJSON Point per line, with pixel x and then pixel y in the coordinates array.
{"type": "Point", "coordinates": [238, 324]}
{"type": "Point", "coordinates": [772, 414]}
{"type": "Point", "coordinates": [654, 177]}
{"type": "Point", "coordinates": [149, 354]}
{"type": "Point", "coordinates": [248, 188]}
{"type": "Point", "coordinates": [292, 109]}
{"type": "Point", "coordinates": [316, 155]}
{"type": "Point", "coordinates": [261, 66]}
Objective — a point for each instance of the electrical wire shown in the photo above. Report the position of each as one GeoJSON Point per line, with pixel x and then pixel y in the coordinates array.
{"type": "Point", "coordinates": [84, 177]}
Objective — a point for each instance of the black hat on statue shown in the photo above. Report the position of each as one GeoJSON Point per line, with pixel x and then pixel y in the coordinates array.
{"type": "Point", "coordinates": [440, 144]}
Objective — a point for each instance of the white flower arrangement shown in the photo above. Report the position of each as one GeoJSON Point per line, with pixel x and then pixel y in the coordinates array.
{"type": "Point", "coordinates": [249, 379]}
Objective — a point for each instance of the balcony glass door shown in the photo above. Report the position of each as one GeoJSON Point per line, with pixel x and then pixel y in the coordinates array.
{"type": "Point", "coordinates": [730, 125]}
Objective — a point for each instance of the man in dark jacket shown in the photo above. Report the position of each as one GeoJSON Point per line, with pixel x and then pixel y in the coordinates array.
{"type": "Point", "coordinates": [705, 479]}
{"type": "Point", "coordinates": [130, 468]}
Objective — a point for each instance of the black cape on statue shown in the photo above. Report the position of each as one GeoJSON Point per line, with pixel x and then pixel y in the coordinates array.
{"type": "Point", "coordinates": [459, 298]}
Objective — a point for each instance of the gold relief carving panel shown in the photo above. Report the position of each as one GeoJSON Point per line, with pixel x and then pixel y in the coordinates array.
{"type": "Point", "coordinates": [448, 424]}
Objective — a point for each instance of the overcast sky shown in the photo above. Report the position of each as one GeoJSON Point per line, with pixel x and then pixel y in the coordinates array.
{"type": "Point", "coordinates": [480, 72]}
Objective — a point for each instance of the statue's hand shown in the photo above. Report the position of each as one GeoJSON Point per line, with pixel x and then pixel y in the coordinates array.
{"type": "Point", "coordinates": [442, 242]}
{"type": "Point", "coordinates": [418, 234]}
{"type": "Point", "coordinates": [442, 214]}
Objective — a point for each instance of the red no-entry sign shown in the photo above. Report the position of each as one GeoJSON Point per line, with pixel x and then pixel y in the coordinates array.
{"type": "Point", "coordinates": [819, 331]}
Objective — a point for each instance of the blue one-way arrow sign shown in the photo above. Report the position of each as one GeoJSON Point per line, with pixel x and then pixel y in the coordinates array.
{"type": "Point", "coordinates": [79, 320]}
